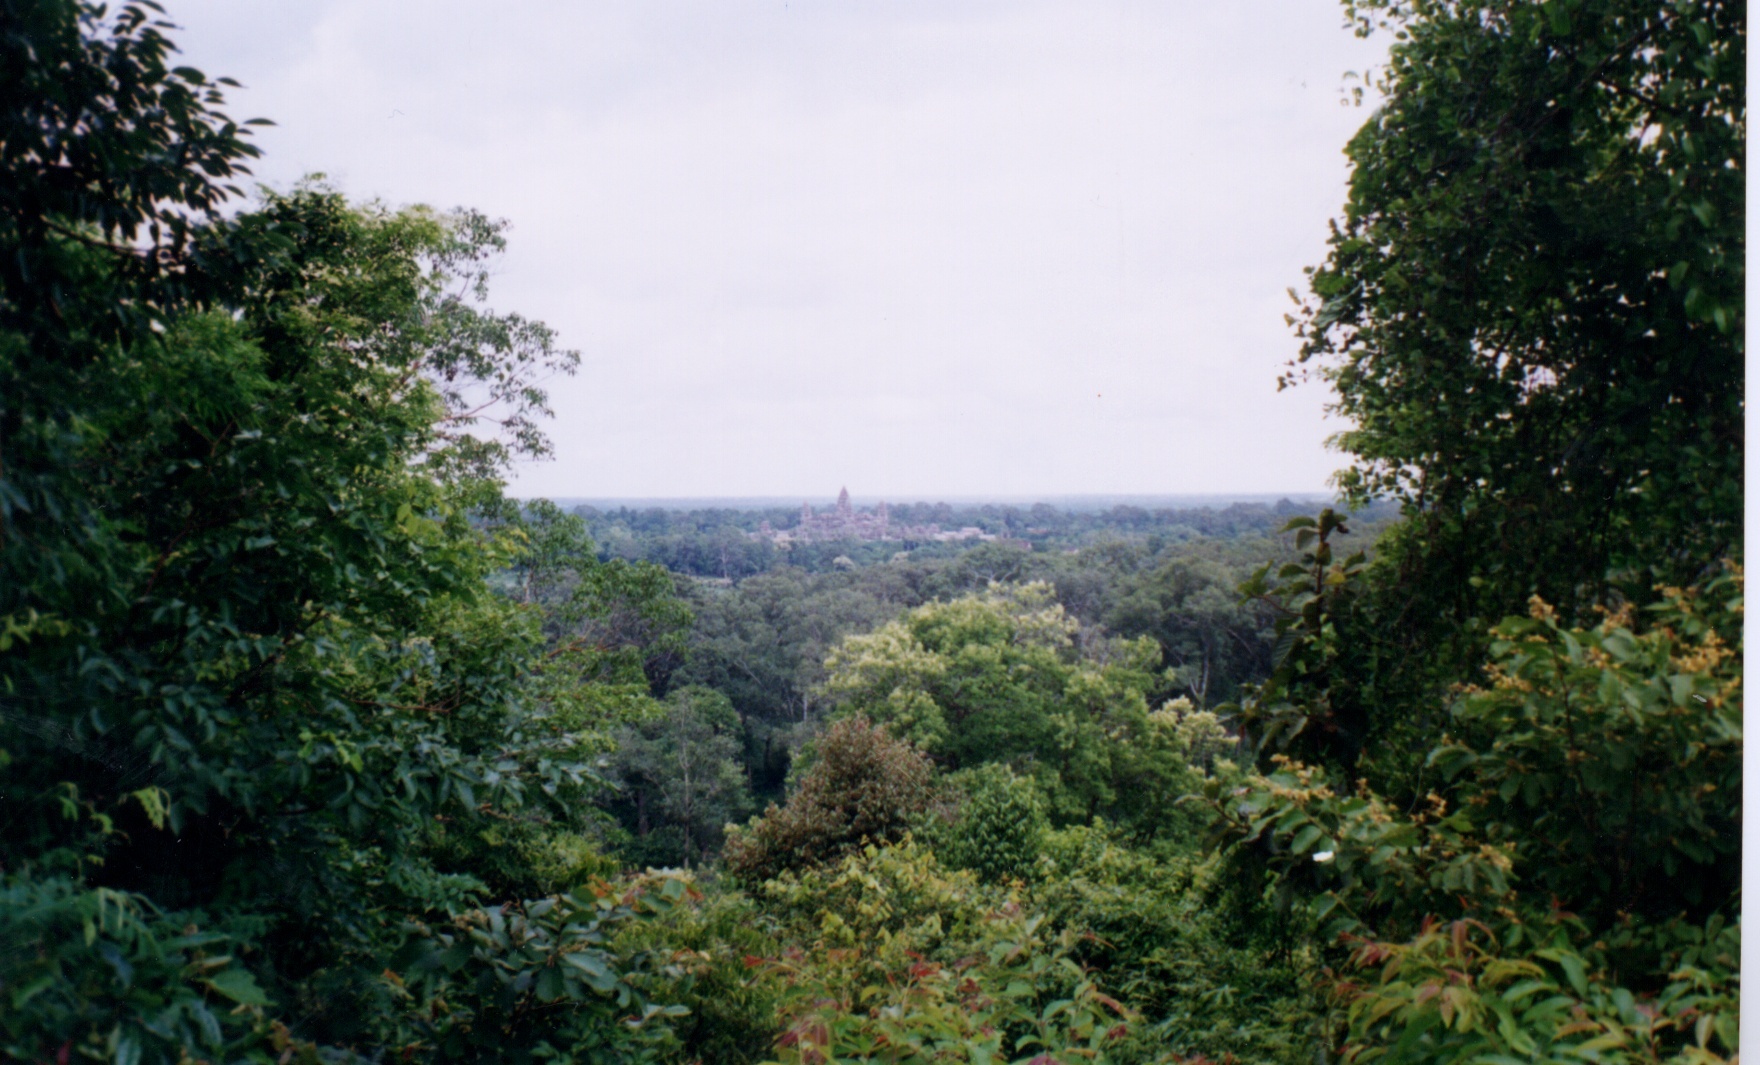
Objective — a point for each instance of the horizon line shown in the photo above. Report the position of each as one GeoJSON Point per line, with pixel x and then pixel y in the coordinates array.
{"type": "Point", "coordinates": [767, 500]}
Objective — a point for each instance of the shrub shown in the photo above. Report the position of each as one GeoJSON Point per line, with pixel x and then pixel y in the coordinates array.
{"type": "Point", "coordinates": [732, 1018]}
{"type": "Point", "coordinates": [99, 974]}
{"type": "Point", "coordinates": [1149, 926]}
{"type": "Point", "coordinates": [1570, 887]}
{"type": "Point", "coordinates": [865, 785]}
{"type": "Point", "coordinates": [538, 978]}
{"type": "Point", "coordinates": [880, 894]}
{"type": "Point", "coordinates": [1000, 827]}
{"type": "Point", "coordinates": [905, 961]}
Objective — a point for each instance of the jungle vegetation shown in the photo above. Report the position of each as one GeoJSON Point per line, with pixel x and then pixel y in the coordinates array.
{"type": "Point", "coordinates": [316, 747]}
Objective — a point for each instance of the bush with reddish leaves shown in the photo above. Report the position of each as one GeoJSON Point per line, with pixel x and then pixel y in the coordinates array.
{"type": "Point", "coordinates": [864, 786]}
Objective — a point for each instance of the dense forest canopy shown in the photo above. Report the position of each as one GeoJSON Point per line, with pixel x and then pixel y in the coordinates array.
{"type": "Point", "coordinates": [730, 543]}
{"type": "Point", "coordinates": [315, 746]}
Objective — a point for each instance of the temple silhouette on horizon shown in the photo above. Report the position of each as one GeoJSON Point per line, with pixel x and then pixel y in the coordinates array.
{"type": "Point", "coordinates": [844, 522]}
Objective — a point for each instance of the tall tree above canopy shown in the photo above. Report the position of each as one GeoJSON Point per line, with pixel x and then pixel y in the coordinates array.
{"type": "Point", "coordinates": [1532, 309]}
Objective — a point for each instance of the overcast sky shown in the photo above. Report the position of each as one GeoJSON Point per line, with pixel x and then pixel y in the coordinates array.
{"type": "Point", "coordinates": [918, 248]}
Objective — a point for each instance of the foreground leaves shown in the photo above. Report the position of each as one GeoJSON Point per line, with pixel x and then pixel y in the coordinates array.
{"type": "Point", "coordinates": [1567, 892]}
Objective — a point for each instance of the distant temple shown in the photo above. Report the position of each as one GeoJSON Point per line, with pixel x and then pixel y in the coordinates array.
{"type": "Point", "coordinates": [844, 522]}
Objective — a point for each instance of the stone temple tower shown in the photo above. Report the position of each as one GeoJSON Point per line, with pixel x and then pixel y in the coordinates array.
{"type": "Point", "coordinates": [843, 507]}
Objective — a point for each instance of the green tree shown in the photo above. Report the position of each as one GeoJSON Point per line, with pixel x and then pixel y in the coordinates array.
{"type": "Point", "coordinates": [1211, 640]}
{"type": "Point", "coordinates": [681, 779]}
{"type": "Point", "coordinates": [1007, 676]}
{"type": "Point", "coordinates": [764, 641]}
{"type": "Point", "coordinates": [1532, 313]}
{"type": "Point", "coordinates": [1514, 839]}
{"type": "Point", "coordinates": [254, 682]}
{"type": "Point", "coordinates": [295, 669]}
{"type": "Point", "coordinates": [614, 624]}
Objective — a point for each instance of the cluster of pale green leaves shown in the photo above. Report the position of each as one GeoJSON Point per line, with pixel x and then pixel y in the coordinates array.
{"type": "Point", "coordinates": [910, 962]}
{"type": "Point", "coordinates": [1007, 676]}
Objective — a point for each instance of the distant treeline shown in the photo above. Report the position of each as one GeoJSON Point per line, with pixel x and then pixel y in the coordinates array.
{"type": "Point", "coordinates": [716, 542]}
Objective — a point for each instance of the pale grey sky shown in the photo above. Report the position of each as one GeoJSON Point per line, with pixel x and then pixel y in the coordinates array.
{"type": "Point", "coordinates": [917, 248]}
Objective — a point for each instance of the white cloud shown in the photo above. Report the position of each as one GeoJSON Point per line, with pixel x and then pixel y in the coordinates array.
{"type": "Point", "coordinates": [918, 248]}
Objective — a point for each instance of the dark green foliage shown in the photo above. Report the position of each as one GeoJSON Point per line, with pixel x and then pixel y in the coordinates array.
{"type": "Point", "coordinates": [1515, 839]}
{"type": "Point", "coordinates": [1612, 757]}
{"type": "Point", "coordinates": [543, 979]}
{"type": "Point", "coordinates": [1532, 313]}
{"type": "Point", "coordinates": [764, 641]}
{"type": "Point", "coordinates": [1206, 985]}
{"type": "Point", "coordinates": [1211, 640]}
{"type": "Point", "coordinates": [712, 945]}
{"type": "Point", "coordinates": [617, 622]}
{"type": "Point", "coordinates": [269, 657]}
{"type": "Point", "coordinates": [259, 705]}
{"type": "Point", "coordinates": [101, 975]}
{"type": "Point", "coordinates": [116, 166]}
{"type": "Point", "coordinates": [301, 721]}
{"type": "Point", "coordinates": [1308, 704]}
{"type": "Point", "coordinates": [680, 780]}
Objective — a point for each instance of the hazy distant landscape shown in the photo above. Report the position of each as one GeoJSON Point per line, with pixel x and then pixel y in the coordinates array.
{"type": "Point", "coordinates": [1079, 503]}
